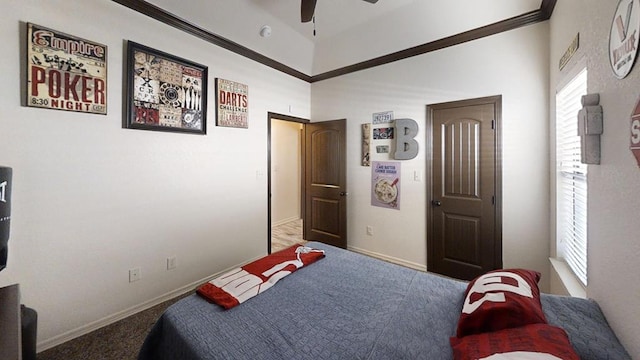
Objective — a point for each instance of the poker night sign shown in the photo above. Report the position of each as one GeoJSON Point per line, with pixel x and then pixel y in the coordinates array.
{"type": "Point", "coordinates": [65, 72]}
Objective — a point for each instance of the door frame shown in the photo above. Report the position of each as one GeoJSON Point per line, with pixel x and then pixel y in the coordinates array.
{"type": "Point", "coordinates": [317, 193]}
{"type": "Point", "coordinates": [497, 101]}
{"type": "Point", "coordinates": [276, 116]}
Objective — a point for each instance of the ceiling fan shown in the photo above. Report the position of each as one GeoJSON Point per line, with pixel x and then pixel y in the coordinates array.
{"type": "Point", "coordinates": [308, 7]}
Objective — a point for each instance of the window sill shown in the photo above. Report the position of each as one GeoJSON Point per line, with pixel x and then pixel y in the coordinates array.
{"type": "Point", "coordinates": [573, 286]}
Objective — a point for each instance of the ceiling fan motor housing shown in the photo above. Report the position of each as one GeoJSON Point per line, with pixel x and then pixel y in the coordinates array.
{"type": "Point", "coordinates": [308, 7]}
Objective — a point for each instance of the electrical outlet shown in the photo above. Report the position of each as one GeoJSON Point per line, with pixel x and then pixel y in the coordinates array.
{"type": "Point", "coordinates": [171, 263]}
{"type": "Point", "coordinates": [135, 274]}
{"type": "Point", "coordinates": [369, 230]}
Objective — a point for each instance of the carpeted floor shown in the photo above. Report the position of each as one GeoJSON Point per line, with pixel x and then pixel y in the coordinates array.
{"type": "Point", "coordinates": [119, 341]}
{"type": "Point", "coordinates": [123, 339]}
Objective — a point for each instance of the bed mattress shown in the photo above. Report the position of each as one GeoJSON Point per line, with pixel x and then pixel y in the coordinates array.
{"type": "Point", "coordinates": [350, 306]}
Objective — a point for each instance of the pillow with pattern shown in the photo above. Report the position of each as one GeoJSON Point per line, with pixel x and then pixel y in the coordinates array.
{"type": "Point", "coordinates": [501, 299]}
{"type": "Point", "coordinates": [531, 342]}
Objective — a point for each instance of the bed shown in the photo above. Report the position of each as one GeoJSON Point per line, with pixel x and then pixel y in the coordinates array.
{"type": "Point", "coordinates": [350, 306]}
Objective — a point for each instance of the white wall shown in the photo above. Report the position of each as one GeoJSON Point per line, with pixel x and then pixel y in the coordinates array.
{"type": "Point", "coordinates": [92, 200]}
{"type": "Point", "coordinates": [286, 161]}
{"type": "Point", "coordinates": [613, 201]}
{"type": "Point", "coordinates": [512, 64]}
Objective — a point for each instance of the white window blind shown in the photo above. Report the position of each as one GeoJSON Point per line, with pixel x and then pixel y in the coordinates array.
{"type": "Point", "coordinates": [571, 188]}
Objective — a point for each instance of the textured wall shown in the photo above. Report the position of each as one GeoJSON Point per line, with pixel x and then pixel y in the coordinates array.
{"type": "Point", "coordinates": [93, 200]}
{"type": "Point", "coordinates": [512, 64]}
{"type": "Point", "coordinates": [614, 201]}
{"type": "Point", "coordinates": [285, 171]}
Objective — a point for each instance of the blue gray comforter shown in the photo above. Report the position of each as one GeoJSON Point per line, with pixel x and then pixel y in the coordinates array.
{"type": "Point", "coordinates": [350, 306]}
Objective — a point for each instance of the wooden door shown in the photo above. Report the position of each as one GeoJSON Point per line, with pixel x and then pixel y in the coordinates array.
{"type": "Point", "coordinates": [464, 237]}
{"type": "Point", "coordinates": [325, 215]}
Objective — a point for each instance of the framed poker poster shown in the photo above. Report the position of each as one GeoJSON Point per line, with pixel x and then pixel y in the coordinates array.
{"type": "Point", "coordinates": [164, 92]}
{"type": "Point", "coordinates": [65, 72]}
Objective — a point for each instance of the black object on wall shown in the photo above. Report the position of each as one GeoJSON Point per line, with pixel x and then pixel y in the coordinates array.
{"type": "Point", "coordinates": [5, 213]}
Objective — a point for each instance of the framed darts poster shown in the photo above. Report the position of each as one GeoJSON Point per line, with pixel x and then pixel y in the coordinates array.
{"type": "Point", "coordinates": [164, 92]}
{"type": "Point", "coordinates": [232, 104]}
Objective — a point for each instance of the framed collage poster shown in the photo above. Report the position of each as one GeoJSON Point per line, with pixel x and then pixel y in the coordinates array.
{"type": "Point", "coordinates": [164, 92]}
{"type": "Point", "coordinates": [65, 72]}
{"type": "Point", "coordinates": [232, 104]}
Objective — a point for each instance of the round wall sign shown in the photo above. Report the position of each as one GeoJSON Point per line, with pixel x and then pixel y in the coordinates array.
{"type": "Point", "coordinates": [624, 36]}
{"type": "Point", "coordinates": [634, 145]}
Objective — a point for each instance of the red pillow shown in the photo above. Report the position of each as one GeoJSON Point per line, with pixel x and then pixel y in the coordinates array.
{"type": "Point", "coordinates": [537, 341]}
{"type": "Point", "coordinates": [501, 299]}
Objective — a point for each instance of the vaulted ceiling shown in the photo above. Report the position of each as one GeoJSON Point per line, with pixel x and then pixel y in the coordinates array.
{"type": "Point", "coordinates": [347, 32]}
{"type": "Point", "coordinates": [422, 17]}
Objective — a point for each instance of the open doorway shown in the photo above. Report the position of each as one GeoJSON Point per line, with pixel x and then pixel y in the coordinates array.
{"type": "Point", "coordinates": [322, 183]}
{"type": "Point", "coordinates": [286, 189]}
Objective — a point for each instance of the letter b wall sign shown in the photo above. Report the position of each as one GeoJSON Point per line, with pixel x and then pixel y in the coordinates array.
{"type": "Point", "coordinates": [406, 145]}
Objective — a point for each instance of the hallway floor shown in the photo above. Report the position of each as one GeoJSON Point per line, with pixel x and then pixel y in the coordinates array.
{"type": "Point", "coordinates": [287, 234]}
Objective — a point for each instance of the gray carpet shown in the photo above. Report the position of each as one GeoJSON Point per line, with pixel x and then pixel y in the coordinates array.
{"type": "Point", "coordinates": [123, 339]}
{"type": "Point", "coordinates": [119, 341]}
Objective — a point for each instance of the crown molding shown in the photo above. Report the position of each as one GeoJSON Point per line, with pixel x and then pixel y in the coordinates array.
{"type": "Point", "coordinates": [165, 17]}
{"type": "Point", "coordinates": [542, 14]}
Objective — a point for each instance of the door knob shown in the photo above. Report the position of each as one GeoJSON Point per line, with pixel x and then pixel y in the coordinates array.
{"type": "Point", "coordinates": [344, 193]}
{"type": "Point", "coordinates": [436, 203]}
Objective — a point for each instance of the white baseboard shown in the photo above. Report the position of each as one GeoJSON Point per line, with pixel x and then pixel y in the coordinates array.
{"type": "Point", "coordinates": [108, 320]}
{"type": "Point", "coordinates": [390, 259]}
{"type": "Point", "coordinates": [284, 221]}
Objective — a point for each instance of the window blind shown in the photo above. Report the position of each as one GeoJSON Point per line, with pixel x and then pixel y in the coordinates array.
{"type": "Point", "coordinates": [571, 183]}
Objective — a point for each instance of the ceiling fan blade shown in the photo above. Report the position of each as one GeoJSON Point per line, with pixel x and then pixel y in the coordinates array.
{"type": "Point", "coordinates": [371, 1]}
{"type": "Point", "coordinates": [307, 8]}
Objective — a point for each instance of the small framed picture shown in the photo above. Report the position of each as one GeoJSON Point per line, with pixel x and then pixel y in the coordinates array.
{"type": "Point", "coordinates": [232, 104]}
{"type": "Point", "coordinates": [164, 92]}
{"type": "Point", "coordinates": [382, 133]}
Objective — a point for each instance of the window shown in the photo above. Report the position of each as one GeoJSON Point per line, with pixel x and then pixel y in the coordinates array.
{"type": "Point", "coordinates": [571, 185]}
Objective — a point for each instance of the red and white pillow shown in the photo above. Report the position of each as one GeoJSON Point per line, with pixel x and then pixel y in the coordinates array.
{"type": "Point", "coordinates": [501, 299]}
{"type": "Point", "coordinates": [502, 319]}
{"type": "Point", "coordinates": [530, 342]}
